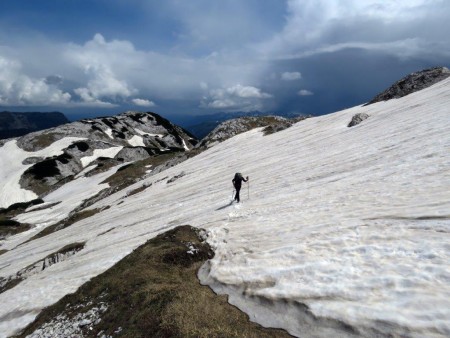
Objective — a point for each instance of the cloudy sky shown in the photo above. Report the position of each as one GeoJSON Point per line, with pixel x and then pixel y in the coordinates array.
{"type": "Point", "coordinates": [204, 56]}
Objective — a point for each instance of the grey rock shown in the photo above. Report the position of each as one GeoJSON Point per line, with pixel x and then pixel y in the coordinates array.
{"type": "Point", "coordinates": [132, 154]}
{"type": "Point", "coordinates": [412, 83]}
{"type": "Point", "coordinates": [357, 119]}
{"type": "Point", "coordinates": [230, 128]}
{"type": "Point", "coordinates": [173, 179]}
{"type": "Point", "coordinates": [32, 160]}
{"type": "Point", "coordinates": [85, 322]}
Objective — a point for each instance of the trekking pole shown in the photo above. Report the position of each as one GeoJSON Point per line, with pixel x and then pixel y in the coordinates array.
{"type": "Point", "coordinates": [248, 189]}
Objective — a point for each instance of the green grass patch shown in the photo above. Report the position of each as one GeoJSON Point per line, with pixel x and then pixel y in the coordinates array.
{"type": "Point", "coordinates": [154, 292]}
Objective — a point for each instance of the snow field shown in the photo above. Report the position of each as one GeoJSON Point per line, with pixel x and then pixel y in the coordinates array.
{"type": "Point", "coordinates": [11, 168]}
{"type": "Point", "coordinates": [353, 222]}
{"type": "Point", "coordinates": [70, 196]}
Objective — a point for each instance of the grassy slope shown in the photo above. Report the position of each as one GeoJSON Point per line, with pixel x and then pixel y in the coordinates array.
{"type": "Point", "coordinates": [154, 292]}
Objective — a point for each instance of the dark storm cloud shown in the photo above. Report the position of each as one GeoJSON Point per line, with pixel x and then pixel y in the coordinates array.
{"type": "Point", "coordinates": [312, 56]}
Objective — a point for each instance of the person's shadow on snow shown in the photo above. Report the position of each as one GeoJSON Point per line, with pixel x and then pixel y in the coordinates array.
{"type": "Point", "coordinates": [225, 206]}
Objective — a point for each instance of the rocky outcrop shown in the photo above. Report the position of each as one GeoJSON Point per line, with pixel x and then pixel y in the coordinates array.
{"type": "Point", "coordinates": [357, 119]}
{"type": "Point", "coordinates": [282, 124]}
{"type": "Point", "coordinates": [230, 128]}
{"type": "Point", "coordinates": [412, 83]}
{"type": "Point", "coordinates": [131, 154]}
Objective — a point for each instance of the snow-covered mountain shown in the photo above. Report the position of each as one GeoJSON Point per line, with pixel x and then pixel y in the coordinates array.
{"type": "Point", "coordinates": [39, 162]}
{"type": "Point", "coordinates": [342, 231]}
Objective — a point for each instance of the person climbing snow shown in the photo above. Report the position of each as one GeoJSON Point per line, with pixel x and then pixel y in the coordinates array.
{"type": "Point", "coordinates": [237, 183]}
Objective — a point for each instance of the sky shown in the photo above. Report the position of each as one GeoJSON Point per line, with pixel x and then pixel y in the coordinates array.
{"type": "Point", "coordinates": [174, 57]}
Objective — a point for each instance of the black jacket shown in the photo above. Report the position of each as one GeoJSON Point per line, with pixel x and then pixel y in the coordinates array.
{"type": "Point", "coordinates": [237, 180]}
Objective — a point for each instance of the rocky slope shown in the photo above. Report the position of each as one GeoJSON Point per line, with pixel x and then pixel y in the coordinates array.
{"type": "Point", "coordinates": [19, 124]}
{"type": "Point", "coordinates": [230, 128]}
{"type": "Point", "coordinates": [412, 83]}
{"type": "Point", "coordinates": [202, 125]}
{"type": "Point", "coordinates": [98, 144]}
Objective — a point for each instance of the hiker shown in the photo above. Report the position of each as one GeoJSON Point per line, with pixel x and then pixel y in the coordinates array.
{"type": "Point", "coordinates": [237, 183]}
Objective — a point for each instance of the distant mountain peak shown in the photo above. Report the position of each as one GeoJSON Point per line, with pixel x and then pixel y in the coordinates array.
{"type": "Point", "coordinates": [18, 124]}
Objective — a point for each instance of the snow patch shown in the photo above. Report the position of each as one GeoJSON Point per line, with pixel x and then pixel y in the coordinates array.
{"type": "Point", "coordinates": [136, 141]}
{"type": "Point", "coordinates": [71, 326]}
{"type": "Point", "coordinates": [140, 132]}
{"type": "Point", "coordinates": [109, 152]}
{"type": "Point", "coordinates": [108, 131]}
{"type": "Point", "coordinates": [11, 168]}
{"type": "Point", "coordinates": [185, 146]}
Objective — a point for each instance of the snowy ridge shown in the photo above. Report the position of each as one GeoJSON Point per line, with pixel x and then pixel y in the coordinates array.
{"type": "Point", "coordinates": [352, 222]}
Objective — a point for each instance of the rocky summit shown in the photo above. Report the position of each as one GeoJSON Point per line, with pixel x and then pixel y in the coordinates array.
{"type": "Point", "coordinates": [413, 83]}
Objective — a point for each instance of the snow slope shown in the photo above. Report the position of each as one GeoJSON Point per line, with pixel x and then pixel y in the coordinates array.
{"type": "Point", "coordinates": [64, 200]}
{"type": "Point", "coordinates": [11, 168]}
{"type": "Point", "coordinates": [353, 222]}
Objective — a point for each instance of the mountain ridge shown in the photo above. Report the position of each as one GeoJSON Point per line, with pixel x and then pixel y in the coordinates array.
{"type": "Point", "coordinates": [98, 143]}
{"type": "Point", "coordinates": [14, 124]}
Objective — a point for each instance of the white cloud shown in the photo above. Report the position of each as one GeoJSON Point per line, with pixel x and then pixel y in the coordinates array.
{"type": "Point", "coordinates": [317, 26]}
{"type": "Point", "coordinates": [114, 71]}
{"type": "Point", "coordinates": [305, 92]}
{"type": "Point", "coordinates": [235, 97]}
{"type": "Point", "coordinates": [291, 76]}
{"type": "Point", "coordinates": [97, 59]}
{"type": "Point", "coordinates": [107, 73]}
{"type": "Point", "coordinates": [247, 92]}
{"type": "Point", "coordinates": [18, 89]}
{"type": "Point", "coordinates": [222, 104]}
{"type": "Point", "coordinates": [103, 84]}
{"type": "Point", "coordinates": [143, 103]}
